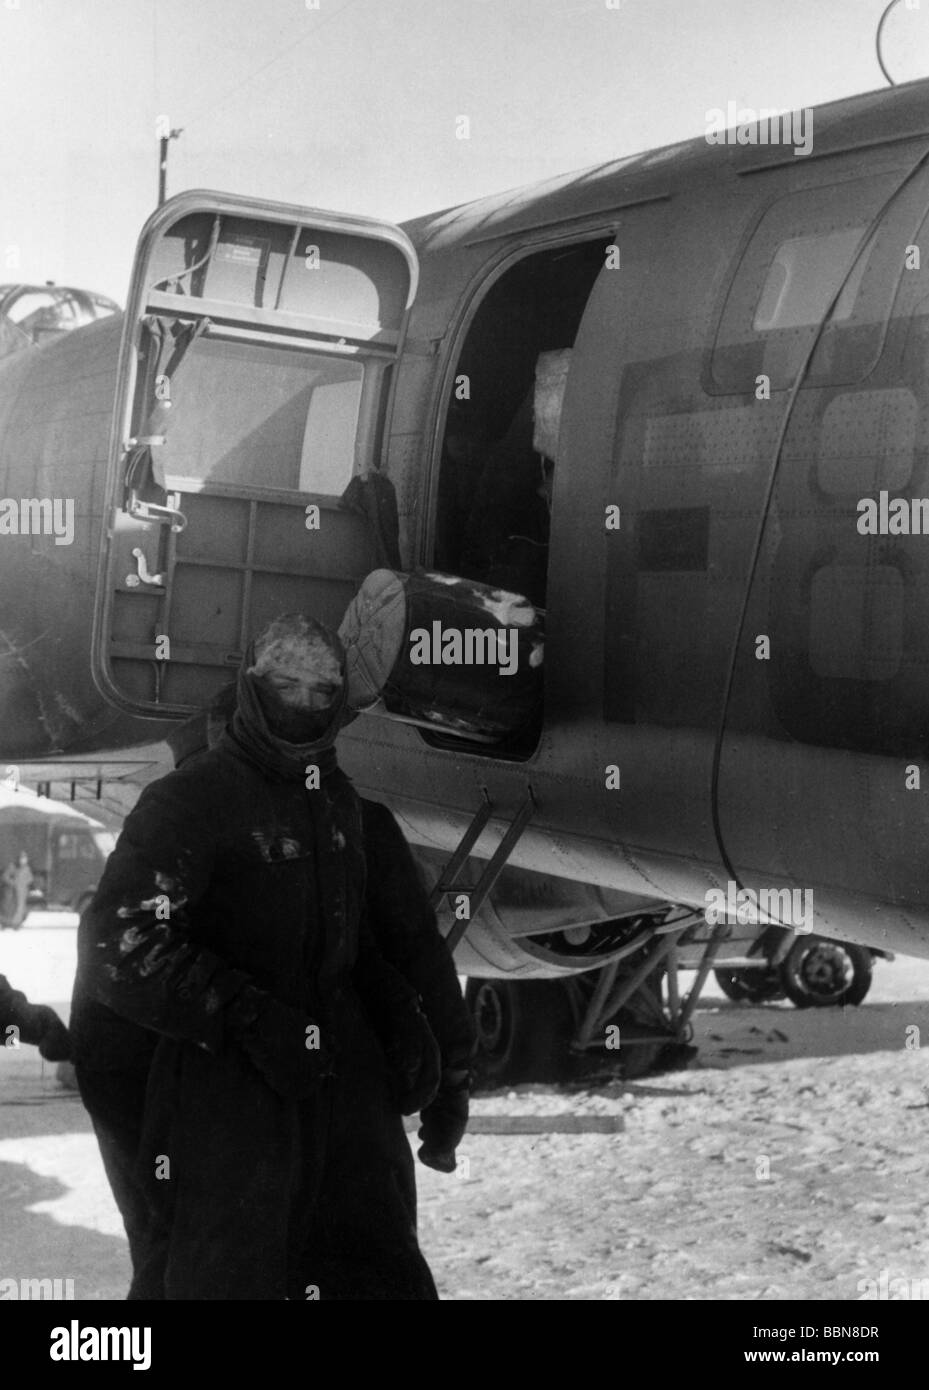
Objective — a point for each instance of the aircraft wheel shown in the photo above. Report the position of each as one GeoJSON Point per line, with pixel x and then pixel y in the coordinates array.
{"type": "Point", "coordinates": [636, 1059]}
{"type": "Point", "coordinates": [523, 1029]}
{"type": "Point", "coordinates": [644, 1016]}
{"type": "Point", "coordinates": [750, 986]}
{"type": "Point", "coordinates": [820, 973]}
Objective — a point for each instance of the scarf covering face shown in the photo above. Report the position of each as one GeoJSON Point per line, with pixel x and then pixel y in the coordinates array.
{"type": "Point", "coordinates": [251, 734]}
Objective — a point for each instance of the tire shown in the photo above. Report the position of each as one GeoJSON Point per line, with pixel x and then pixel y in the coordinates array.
{"type": "Point", "coordinates": [523, 1029]}
{"type": "Point", "coordinates": [642, 1049]}
{"type": "Point", "coordinates": [820, 973]}
{"type": "Point", "coordinates": [638, 1059]}
{"type": "Point", "coordinates": [750, 986]}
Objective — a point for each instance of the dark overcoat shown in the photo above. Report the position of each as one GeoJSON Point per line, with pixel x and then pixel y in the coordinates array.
{"type": "Point", "coordinates": [228, 872]}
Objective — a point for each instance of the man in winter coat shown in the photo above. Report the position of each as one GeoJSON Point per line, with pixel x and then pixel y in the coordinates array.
{"type": "Point", "coordinates": [230, 922]}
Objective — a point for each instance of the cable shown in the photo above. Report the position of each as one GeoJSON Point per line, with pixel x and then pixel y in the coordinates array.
{"type": "Point", "coordinates": [877, 40]}
{"type": "Point", "coordinates": [179, 275]}
{"type": "Point", "coordinates": [768, 498]}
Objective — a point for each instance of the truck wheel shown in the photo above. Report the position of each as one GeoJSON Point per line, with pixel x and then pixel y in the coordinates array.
{"type": "Point", "coordinates": [750, 986]}
{"type": "Point", "coordinates": [818, 972]}
{"type": "Point", "coordinates": [523, 1029]}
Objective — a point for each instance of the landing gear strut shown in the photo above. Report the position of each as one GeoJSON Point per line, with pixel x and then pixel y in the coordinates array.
{"type": "Point", "coordinates": [629, 1012]}
{"type": "Point", "coordinates": [635, 1012]}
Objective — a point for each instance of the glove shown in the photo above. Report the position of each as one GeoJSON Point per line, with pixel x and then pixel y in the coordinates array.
{"type": "Point", "coordinates": [55, 1045]}
{"type": "Point", "coordinates": [413, 1057]}
{"type": "Point", "coordinates": [275, 1039]}
{"type": "Point", "coordinates": [41, 1026]}
{"type": "Point", "coordinates": [444, 1122]}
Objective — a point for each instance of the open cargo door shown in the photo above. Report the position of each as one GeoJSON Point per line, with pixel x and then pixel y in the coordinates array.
{"type": "Point", "coordinates": [253, 375]}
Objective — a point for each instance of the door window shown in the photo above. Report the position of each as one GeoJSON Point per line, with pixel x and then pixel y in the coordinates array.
{"type": "Point", "coordinates": [259, 416]}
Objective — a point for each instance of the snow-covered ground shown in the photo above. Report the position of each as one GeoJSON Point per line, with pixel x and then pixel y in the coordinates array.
{"type": "Point", "coordinates": [790, 1161]}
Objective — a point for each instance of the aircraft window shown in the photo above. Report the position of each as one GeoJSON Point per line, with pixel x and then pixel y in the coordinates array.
{"type": "Point", "coordinates": [804, 275]}
{"type": "Point", "coordinates": [103, 308]}
{"type": "Point", "coordinates": [79, 310]}
{"type": "Point", "coordinates": [329, 439]}
{"type": "Point", "coordinates": [802, 250]}
{"type": "Point", "coordinates": [52, 316]}
{"type": "Point", "coordinates": [28, 304]}
{"type": "Point", "coordinates": [256, 416]}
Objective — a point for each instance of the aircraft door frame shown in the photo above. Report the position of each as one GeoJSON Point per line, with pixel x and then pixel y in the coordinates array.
{"type": "Point", "coordinates": [256, 359]}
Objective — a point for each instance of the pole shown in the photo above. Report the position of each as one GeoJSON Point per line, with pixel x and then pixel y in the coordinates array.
{"type": "Point", "coordinates": [163, 162]}
{"type": "Point", "coordinates": [162, 168]}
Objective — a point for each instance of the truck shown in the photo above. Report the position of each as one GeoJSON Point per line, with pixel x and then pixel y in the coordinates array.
{"type": "Point", "coordinates": [66, 848]}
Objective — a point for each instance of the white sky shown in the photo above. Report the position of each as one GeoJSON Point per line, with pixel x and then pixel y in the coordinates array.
{"type": "Point", "coordinates": [352, 104]}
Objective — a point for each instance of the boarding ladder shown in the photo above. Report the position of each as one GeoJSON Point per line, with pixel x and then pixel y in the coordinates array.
{"type": "Point", "coordinates": [447, 882]}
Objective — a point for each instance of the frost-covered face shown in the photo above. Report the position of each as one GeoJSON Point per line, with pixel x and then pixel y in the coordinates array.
{"type": "Point", "coordinates": [310, 690]}
{"type": "Point", "coordinates": [298, 674]}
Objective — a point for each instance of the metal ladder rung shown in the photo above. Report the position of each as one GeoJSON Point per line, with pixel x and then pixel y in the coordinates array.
{"type": "Point", "coordinates": [449, 875]}
{"type": "Point", "coordinates": [448, 879]}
